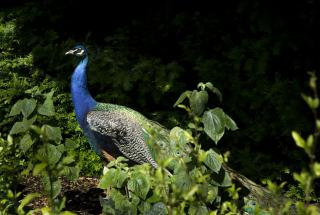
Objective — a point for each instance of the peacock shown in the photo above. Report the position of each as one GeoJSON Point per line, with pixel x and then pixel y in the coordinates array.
{"type": "Point", "coordinates": [115, 130]}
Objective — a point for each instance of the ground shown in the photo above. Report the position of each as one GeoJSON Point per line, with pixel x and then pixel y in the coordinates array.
{"type": "Point", "coordinates": [82, 195]}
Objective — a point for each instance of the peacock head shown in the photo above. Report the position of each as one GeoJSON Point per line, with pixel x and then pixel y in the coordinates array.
{"type": "Point", "coordinates": [79, 51]}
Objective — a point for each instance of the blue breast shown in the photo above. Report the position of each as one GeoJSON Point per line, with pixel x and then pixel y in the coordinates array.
{"type": "Point", "coordinates": [83, 101]}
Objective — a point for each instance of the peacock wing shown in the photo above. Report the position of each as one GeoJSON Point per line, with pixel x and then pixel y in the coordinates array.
{"type": "Point", "coordinates": [125, 132]}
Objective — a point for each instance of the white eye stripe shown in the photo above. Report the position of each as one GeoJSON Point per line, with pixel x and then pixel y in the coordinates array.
{"type": "Point", "coordinates": [81, 52]}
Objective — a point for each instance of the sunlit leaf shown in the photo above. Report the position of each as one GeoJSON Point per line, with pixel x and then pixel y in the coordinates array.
{"type": "Point", "coordinates": [26, 200]}
{"type": "Point", "coordinates": [316, 169]}
{"type": "Point", "coordinates": [39, 168]}
{"type": "Point", "coordinates": [214, 123]}
{"type": "Point", "coordinates": [298, 139]}
{"type": "Point", "coordinates": [67, 213]}
{"type": "Point", "coordinates": [182, 97]}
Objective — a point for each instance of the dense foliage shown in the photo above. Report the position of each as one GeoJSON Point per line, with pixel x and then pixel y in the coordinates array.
{"type": "Point", "coordinates": [143, 56]}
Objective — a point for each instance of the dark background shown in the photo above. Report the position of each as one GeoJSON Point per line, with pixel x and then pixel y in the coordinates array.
{"type": "Point", "coordinates": [145, 53]}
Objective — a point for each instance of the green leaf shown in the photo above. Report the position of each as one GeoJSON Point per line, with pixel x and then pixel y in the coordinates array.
{"type": "Point", "coordinates": [68, 160]}
{"type": "Point", "coordinates": [212, 193]}
{"type": "Point", "coordinates": [213, 160]}
{"type": "Point", "coordinates": [26, 200]}
{"type": "Point", "coordinates": [139, 184]}
{"type": "Point", "coordinates": [121, 202]}
{"type": "Point", "coordinates": [215, 90]}
{"type": "Point", "coordinates": [54, 154]}
{"type": "Point", "coordinates": [71, 172]}
{"type": "Point", "coordinates": [61, 148]}
{"type": "Point", "coordinates": [313, 103]}
{"type": "Point", "coordinates": [114, 177]}
{"type": "Point", "coordinates": [39, 168]}
{"type": "Point", "coordinates": [230, 124]}
{"type": "Point", "coordinates": [316, 169]}
{"type": "Point", "coordinates": [182, 97]}
{"type": "Point", "coordinates": [214, 123]}
{"type": "Point", "coordinates": [198, 101]}
{"type": "Point", "coordinates": [67, 213]}
{"type": "Point", "coordinates": [182, 181]}
{"type": "Point", "coordinates": [24, 106]}
{"type": "Point", "coordinates": [70, 145]}
{"type": "Point", "coordinates": [144, 207]}
{"type": "Point", "coordinates": [221, 179]}
{"type": "Point", "coordinates": [56, 188]}
{"type": "Point", "coordinates": [198, 210]}
{"type": "Point", "coordinates": [25, 143]}
{"type": "Point", "coordinates": [51, 133]}
{"type": "Point", "coordinates": [298, 139]}
{"type": "Point", "coordinates": [20, 127]}
{"type": "Point", "coordinates": [47, 108]}
{"type": "Point", "coordinates": [158, 209]}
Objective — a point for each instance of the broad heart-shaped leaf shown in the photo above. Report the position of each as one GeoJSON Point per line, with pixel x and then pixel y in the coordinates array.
{"type": "Point", "coordinates": [23, 126]}
{"type": "Point", "coordinates": [213, 160]}
{"type": "Point", "coordinates": [71, 172]}
{"type": "Point", "coordinates": [24, 106]}
{"type": "Point", "coordinates": [214, 123]}
{"type": "Point", "coordinates": [52, 133]}
{"type": "Point", "coordinates": [70, 144]}
{"type": "Point", "coordinates": [182, 181]}
{"type": "Point", "coordinates": [139, 184]}
{"type": "Point", "coordinates": [53, 154]}
{"type": "Point", "coordinates": [198, 101]}
{"type": "Point", "coordinates": [182, 97]}
{"type": "Point", "coordinates": [120, 201]}
{"type": "Point", "coordinates": [198, 210]}
{"type": "Point", "coordinates": [47, 108]}
{"type": "Point", "coordinates": [114, 177]}
{"type": "Point", "coordinates": [25, 143]}
{"type": "Point", "coordinates": [158, 208]}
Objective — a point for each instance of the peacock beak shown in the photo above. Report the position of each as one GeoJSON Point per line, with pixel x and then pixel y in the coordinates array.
{"type": "Point", "coordinates": [70, 52]}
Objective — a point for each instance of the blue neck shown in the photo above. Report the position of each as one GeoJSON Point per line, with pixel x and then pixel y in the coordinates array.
{"type": "Point", "coordinates": [81, 97]}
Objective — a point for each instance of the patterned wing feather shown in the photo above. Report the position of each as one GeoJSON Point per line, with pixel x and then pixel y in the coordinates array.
{"type": "Point", "coordinates": [125, 132]}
